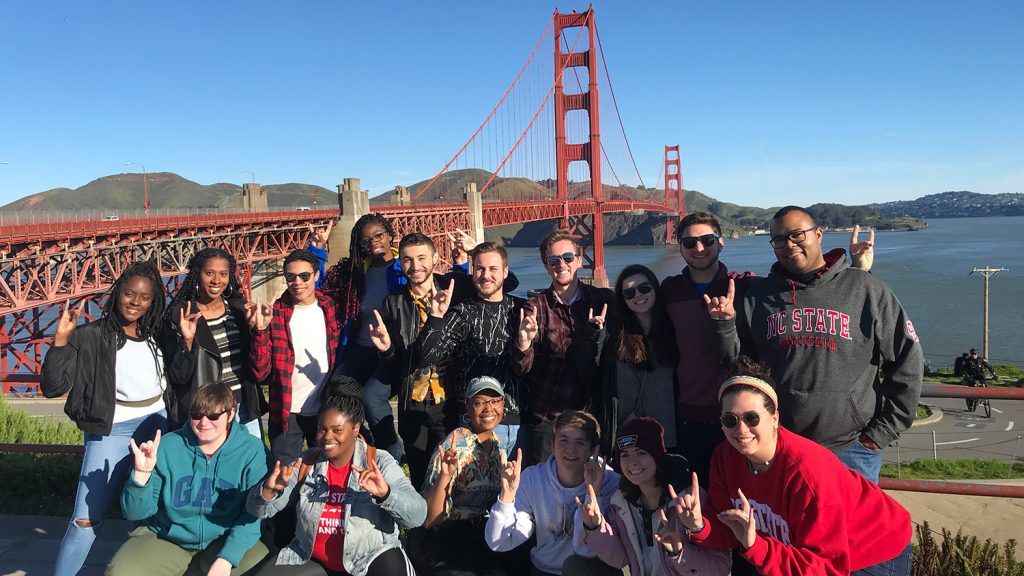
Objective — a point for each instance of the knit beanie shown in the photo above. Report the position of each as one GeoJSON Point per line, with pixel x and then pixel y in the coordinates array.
{"type": "Point", "coordinates": [644, 433]}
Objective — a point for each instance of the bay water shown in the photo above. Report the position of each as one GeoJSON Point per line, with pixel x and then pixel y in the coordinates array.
{"type": "Point", "coordinates": [929, 270]}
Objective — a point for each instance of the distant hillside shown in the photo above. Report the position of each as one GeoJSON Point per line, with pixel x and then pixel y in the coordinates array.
{"type": "Point", "coordinates": [956, 205]}
{"type": "Point", "coordinates": [166, 190]}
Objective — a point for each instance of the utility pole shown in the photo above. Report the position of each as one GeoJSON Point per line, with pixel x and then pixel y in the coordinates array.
{"type": "Point", "coordinates": [988, 272]}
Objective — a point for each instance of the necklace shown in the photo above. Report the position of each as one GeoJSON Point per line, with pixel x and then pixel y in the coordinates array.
{"type": "Point", "coordinates": [754, 470]}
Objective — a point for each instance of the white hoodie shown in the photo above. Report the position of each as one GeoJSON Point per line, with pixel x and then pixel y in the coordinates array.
{"type": "Point", "coordinates": [543, 504]}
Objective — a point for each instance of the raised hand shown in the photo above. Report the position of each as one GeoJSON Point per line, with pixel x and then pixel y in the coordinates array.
{"type": "Point", "coordinates": [668, 535]}
{"type": "Point", "coordinates": [598, 321]}
{"type": "Point", "coordinates": [741, 521]}
{"type": "Point", "coordinates": [593, 471]}
{"type": "Point", "coordinates": [590, 511]}
{"type": "Point", "coordinates": [441, 300]}
{"type": "Point", "coordinates": [721, 307]}
{"type": "Point", "coordinates": [145, 454]}
{"type": "Point", "coordinates": [528, 328]}
{"type": "Point", "coordinates": [259, 315]}
{"type": "Point", "coordinates": [687, 506]}
{"type": "Point", "coordinates": [278, 479]}
{"type": "Point", "coordinates": [510, 474]}
{"type": "Point", "coordinates": [371, 480]}
{"type": "Point", "coordinates": [318, 237]}
{"type": "Point", "coordinates": [379, 334]}
{"type": "Point", "coordinates": [449, 463]}
{"type": "Point", "coordinates": [862, 254]}
{"type": "Point", "coordinates": [66, 324]}
{"type": "Point", "coordinates": [187, 322]}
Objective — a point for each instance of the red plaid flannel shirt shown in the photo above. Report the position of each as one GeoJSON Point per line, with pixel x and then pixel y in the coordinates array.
{"type": "Point", "coordinates": [272, 355]}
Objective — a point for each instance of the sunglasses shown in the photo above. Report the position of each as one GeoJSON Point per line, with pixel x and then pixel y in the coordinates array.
{"type": "Point", "coordinates": [643, 288]}
{"type": "Point", "coordinates": [290, 277]}
{"type": "Point", "coordinates": [211, 417]}
{"type": "Point", "coordinates": [730, 420]}
{"type": "Point", "coordinates": [369, 241]}
{"type": "Point", "coordinates": [690, 242]}
{"type": "Point", "coordinates": [568, 258]}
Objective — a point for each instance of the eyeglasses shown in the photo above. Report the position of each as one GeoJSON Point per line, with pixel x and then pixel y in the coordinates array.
{"type": "Point", "coordinates": [796, 237]}
{"type": "Point", "coordinates": [751, 419]}
{"type": "Point", "coordinates": [211, 417]}
{"type": "Point", "coordinates": [370, 241]}
{"type": "Point", "coordinates": [643, 288]}
{"type": "Point", "coordinates": [690, 242]}
{"type": "Point", "coordinates": [481, 404]}
{"type": "Point", "coordinates": [552, 261]}
{"type": "Point", "coordinates": [290, 277]}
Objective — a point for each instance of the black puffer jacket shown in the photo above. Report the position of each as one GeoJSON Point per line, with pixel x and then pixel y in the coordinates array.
{"type": "Point", "coordinates": [86, 368]}
{"type": "Point", "coordinates": [188, 370]}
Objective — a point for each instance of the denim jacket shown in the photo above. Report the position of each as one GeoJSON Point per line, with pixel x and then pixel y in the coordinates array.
{"type": "Point", "coordinates": [371, 527]}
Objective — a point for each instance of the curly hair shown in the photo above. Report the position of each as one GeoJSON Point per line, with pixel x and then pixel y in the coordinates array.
{"type": "Point", "coordinates": [189, 288]}
{"type": "Point", "coordinates": [344, 394]}
{"type": "Point", "coordinates": [346, 280]}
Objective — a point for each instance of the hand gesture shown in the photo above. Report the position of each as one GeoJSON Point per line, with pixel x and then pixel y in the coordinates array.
{"type": "Point", "coordinates": [862, 253]}
{"type": "Point", "coordinates": [145, 454]}
{"type": "Point", "coordinates": [449, 463]}
{"type": "Point", "coordinates": [259, 314]}
{"type": "Point", "coordinates": [668, 535]}
{"type": "Point", "coordinates": [371, 480]}
{"type": "Point", "coordinates": [462, 244]}
{"type": "Point", "coordinates": [187, 322]}
{"type": "Point", "coordinates": [379, 334]}
{"type": "Point", "coordinates": [441, 300]}
{"type": "Point", "coordinates": [220, 567]}
{"type": "Point", "coordinates": [593, 471]}
{"type": "Point", "coordinates": [687, 505]}
{"type": "Point", "coordinates": [741, 521]}
{"type": "Point", "coordinates": [598, 321]}
{"type": "Point", "coordinates": [278, 479]}
{"type": "Point", "coordinates": [318, 237]}
{"type": "Point", "coordinates": [528, 328]}
{"type": "Point", "coordinates": [590, 511]}
{"type": "Point", "coordinates": [720, 307]}
{"type": "Point", "coordinates": [510, 474]}
{"type": "Point", "coordinates": [66, 324]}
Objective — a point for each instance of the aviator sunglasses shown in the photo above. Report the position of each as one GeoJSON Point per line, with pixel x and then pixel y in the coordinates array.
{"type": "Point", "coordinates": [552, 261]}
{"type": "Point", "coordinates": [211, 417]}
{"type": "Point", "coordinates": [690, 242]}
{"type": "Point", "coordinates": [751, 419]}
{"type": "Point", "coordinates": [291, 276]}
{"type": "Point", "coordinates": [643, 288]}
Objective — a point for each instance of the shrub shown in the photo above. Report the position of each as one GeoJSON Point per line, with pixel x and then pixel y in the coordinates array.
{"type": "Point", "coordinates": [958, 554]}
{"type": "Point", "coordinates": [18, 427]}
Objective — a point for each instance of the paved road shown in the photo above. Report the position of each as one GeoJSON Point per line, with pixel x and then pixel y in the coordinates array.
{"type": "Point", "coordinates": [962, 434]}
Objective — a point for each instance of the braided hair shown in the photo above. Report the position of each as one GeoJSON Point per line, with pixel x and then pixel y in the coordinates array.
{"type": "Point", "coordinates": [148, 325]}
{"type": "Point", "coordinates": [190, 285]}
{"type": "Point", "coordinates": [344, 394]}
{"type": "Point", "coordinates": [346, 280]}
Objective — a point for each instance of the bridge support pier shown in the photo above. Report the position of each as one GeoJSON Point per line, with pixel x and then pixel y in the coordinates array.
{"type": "Point", "coordinates": [268, 280]}
{"type": "Point", "coordinates": [355, 204]}
{"type": "Point", "coordinates": [476, 211]}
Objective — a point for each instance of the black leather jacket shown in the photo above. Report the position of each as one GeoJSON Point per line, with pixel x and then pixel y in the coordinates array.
{"type": "Point", "coordinates": [86, 368]}
{"type": "Point", "coordinates": [189, 370]}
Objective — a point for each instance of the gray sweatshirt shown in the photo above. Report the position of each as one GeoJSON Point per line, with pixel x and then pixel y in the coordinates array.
{"type": "Point", "coordinates": [842, 351]}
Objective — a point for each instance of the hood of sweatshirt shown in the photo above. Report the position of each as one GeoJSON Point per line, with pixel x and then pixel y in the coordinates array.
{"type": "Point", "coordinates": [835, 264]}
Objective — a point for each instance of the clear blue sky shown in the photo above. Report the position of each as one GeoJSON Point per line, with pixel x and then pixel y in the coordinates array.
{"type": "Point", "coordinates": [772, 102]}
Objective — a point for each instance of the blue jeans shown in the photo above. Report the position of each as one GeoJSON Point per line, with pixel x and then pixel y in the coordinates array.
{"type": "Point", "coordinates": [898, 566]}
{"type": "Point", "coordinates": [861, 459]}
{"type": "Point", "coordinates": [254, 426]}
{"type": "Point", "coordinates": [509, 435]}
{"type": "Point", "coordinates": [105, 468]}
{"type": "Point", "coordinates": [377, 403]}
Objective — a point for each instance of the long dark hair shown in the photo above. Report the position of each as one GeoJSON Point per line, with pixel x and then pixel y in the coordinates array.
{"type": "Point", "coordinates": [148, 325]}
{"type": "Point", "coordinates": [632, 347]}
{"type": "Point", "coordinates": [631, 492]}
{"type": "Point", "coordinates": [346, 280]}
{"type": "Point", "coordinates": [189, 287]}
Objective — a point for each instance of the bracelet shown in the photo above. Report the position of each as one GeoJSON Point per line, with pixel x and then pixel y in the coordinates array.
{"type": "Point", "coordinates": [701, 527]}
{"type": "Point", "coordinates": [150, 471]}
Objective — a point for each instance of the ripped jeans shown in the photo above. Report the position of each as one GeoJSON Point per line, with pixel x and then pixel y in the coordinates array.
{"type": "Point", "coordinates": [105, 467]}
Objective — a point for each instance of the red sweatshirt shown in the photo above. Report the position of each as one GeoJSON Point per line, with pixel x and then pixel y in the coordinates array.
{"type": "Point", "coordinates": [814, 515]}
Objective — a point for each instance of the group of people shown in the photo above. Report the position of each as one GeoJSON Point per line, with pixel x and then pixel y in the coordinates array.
{"type": "Point", "coordinates": [573, 432]}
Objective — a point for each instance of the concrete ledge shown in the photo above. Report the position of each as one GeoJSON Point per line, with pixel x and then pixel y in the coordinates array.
{"type": "Point", "coordinates": [934, 418]}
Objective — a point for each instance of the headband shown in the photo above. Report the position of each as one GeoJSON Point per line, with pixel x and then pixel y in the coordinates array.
{"type": "Point", "coordinates": [749, 381]}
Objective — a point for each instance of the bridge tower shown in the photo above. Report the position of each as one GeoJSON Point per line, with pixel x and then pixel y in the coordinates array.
{"type": "Point", "coordinates": [589, 226]}
{"type": "Point", "coordinates": [673, 190]}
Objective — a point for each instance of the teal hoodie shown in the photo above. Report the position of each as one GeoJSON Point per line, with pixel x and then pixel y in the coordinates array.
{"type": "Point", "coordinates": [192, 500]}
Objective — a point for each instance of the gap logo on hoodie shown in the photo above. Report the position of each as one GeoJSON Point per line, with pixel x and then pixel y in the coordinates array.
{"type": "Point", "coordinates": [808, 328]}
{"type": "Point", "coordinates": [201, 497]}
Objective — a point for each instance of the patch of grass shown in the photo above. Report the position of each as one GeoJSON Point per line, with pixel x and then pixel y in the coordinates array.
{"type": "Point", "coordinates": [922, 412]}
{"type": "Point", "coordinates": [958, 554]}
{"type": "Point", "coordinates": [18, 427]}
{"type": "Point", "coordinates": [923, 469]}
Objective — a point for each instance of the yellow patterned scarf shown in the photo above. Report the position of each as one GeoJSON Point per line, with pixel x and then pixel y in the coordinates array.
{"type": "Point", "coordinates": [426, 378]}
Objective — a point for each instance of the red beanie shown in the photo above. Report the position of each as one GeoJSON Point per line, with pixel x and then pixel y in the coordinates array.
{"type": "Point", "coordinates": [644, 433]}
